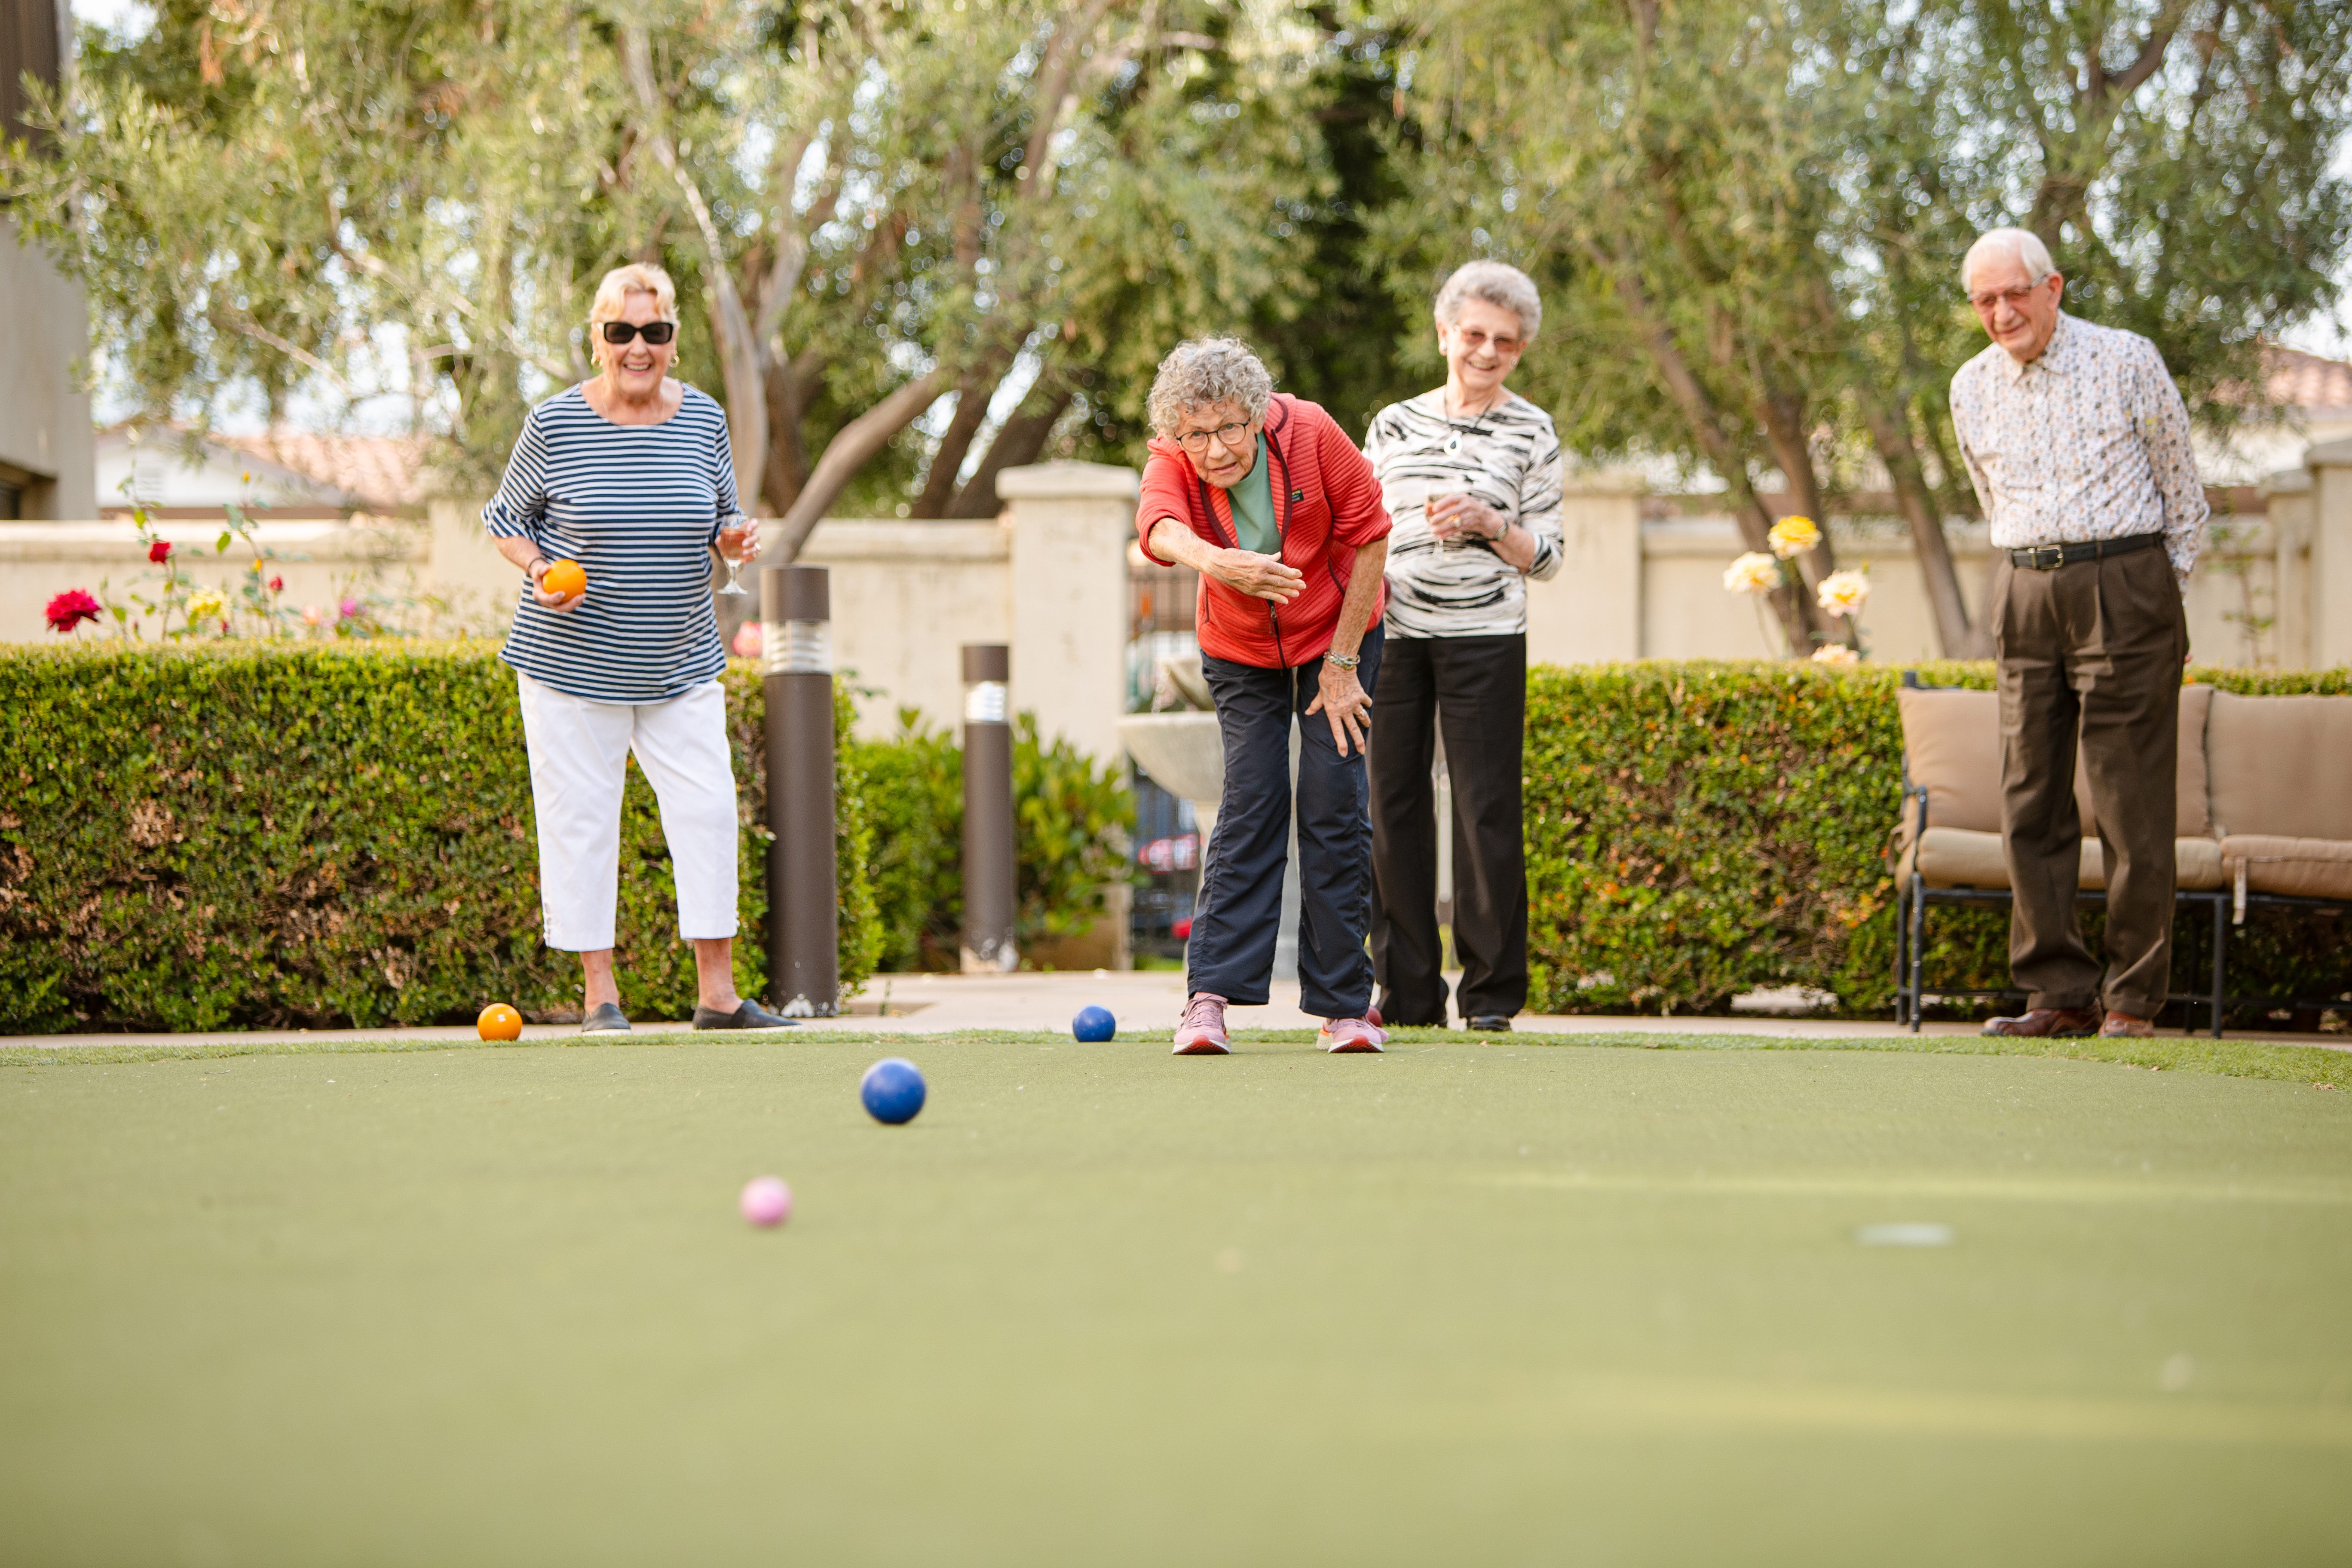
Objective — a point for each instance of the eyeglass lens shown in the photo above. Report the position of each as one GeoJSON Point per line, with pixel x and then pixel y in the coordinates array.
{"type": "Point", "coordinates": [656, 333]}
{"type": "Point", "coordinates": [1197, 440]}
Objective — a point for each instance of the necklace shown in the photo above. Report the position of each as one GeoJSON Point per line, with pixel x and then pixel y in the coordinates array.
{"type": "Point", "coordinates": [1455, 427]}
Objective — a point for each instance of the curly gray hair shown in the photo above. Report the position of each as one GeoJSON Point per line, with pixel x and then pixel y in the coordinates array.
{"type": "Point", "coordinates": [1497, 283]}
{"type": "Point", "coordinates": [1205, 371]}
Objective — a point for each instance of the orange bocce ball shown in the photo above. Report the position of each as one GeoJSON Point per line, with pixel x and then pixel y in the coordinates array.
{"type": "Point", "coordinates": [499, 1022]}
{"type": "Point", "coordinates": [568, 578]}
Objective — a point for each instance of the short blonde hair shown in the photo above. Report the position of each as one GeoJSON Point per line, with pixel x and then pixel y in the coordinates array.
{"type": "Point", "coordinates": [638, 278]}
{"type": "Point", "coordinates": [1497, 283]}
{"type": "Point", "coordinates": [2021, 243]}
{"type": "Point", "coordinates": [1205, 371]}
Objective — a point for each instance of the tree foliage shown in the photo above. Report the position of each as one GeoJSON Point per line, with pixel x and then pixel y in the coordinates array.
{"type": "Point", "coordinates": [1751, 219]}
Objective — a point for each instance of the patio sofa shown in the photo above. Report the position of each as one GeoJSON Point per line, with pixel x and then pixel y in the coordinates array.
{"type": "Point", "coordinates": [2264, 817]}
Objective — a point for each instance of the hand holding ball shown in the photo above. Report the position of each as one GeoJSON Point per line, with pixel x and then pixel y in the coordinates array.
{"type": "Point", "coordinates": [564, 579]}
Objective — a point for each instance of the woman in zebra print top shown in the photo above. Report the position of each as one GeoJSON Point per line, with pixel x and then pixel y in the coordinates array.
{"type": "Point", "coordinates": [1470, 474]}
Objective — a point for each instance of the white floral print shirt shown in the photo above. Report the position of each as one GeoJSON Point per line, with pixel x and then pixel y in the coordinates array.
{"type": "Point", "coordinates": [2089, 440]}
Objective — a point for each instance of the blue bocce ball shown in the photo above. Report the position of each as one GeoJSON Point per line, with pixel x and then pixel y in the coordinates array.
{"type": "Point", "coordinates": [892, 1090]}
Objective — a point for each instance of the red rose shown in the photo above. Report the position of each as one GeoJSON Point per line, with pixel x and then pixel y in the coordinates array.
{"type": "Point", "coordinates": [278, 584]}
{"type": "Point", "coordinates": [69, 609]}
{"type": "Point", "coordinates": [159, 552]}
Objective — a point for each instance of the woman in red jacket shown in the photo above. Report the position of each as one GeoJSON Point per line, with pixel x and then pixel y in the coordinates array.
{"type": "Point", "coordinates": [1269, 502]}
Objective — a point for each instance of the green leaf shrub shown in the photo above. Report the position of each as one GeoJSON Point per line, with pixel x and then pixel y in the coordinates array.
{"type": "Point", "coordinates": [1071, 818]}
{"type": "Point", "coordinates": [231, 835]}
{"type": "Point", "coordinates": [1695, 831]}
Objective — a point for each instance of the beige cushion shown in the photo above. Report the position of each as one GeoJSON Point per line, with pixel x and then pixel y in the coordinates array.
{"type": "Point", "coordinates": [1955, 857]}
{"type": "Point", "coordinates": [1951, 742]}
{"type": "Point", "coordinates": [2280, 766]}
{"type": "Point", "coordinates": [2191, 817]}
{"type": "Point", "coordinates": [2301, 867]}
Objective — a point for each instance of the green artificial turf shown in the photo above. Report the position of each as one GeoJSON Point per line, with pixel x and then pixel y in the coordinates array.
{"type": "Point", "coordinates": [1503, 1303]}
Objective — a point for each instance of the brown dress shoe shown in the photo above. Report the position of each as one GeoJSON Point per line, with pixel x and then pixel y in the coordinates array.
{"type": "Point", "coordinates": [2049, 1023]}
{"type": "Point", "coordinates": [2123, 1025]}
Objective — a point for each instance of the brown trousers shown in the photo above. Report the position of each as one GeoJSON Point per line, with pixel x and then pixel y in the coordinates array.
{"type": "Point", "coordinates": [2090, 652]}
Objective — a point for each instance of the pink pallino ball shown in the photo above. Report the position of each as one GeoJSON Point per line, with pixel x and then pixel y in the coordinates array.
{"type": "Point", "coordinates": [766, 1201]}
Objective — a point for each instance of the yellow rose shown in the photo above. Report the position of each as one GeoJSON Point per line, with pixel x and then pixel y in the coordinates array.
{"type": "Point", "coordinates": [1754, 573]}
{"type": "Point", "coordinates": [1793, 536]}
{"type": "Point", "coordinates": [203, 607]}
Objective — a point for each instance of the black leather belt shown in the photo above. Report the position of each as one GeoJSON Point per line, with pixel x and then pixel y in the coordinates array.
{"type": "Point", "coordinates": [2050, 557]}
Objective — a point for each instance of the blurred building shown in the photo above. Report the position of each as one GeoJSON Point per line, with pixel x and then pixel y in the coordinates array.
{"type": "Point", "coordinates": [286, 474]}
{"type": "Point", "coordinates": [45, 435]}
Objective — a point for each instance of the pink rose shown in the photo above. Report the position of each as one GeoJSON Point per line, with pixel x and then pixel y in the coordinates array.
{"type": "Point", "coordinates": [311, 615]}
{"type": "Point", "coordinates": [349, 609]}
{"type": "Point", "coordinates": [69, 609]}
{"type": "Point", "coordinates": [747, 640]}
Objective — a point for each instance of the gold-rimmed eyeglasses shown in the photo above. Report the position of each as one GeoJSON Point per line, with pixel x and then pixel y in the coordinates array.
{"type": "Point", "coordinates": [1233, 433]}
{"type": "Point", "coordinates": [2015, 298]}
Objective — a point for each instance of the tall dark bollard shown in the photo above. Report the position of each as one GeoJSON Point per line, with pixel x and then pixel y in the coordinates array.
{"type": "Point", "coordinates": [803, 898]}
{"type": "Point", "coordinates": [988, 865]}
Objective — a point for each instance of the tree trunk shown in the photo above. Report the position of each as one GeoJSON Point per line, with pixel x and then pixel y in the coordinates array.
{"type": "Point", "coordinates": [1017, 445]}
{"type": "Point", "coordinates": [1782, 416]}
{"type": "Point", "coordinates": [787, 447]}
{"type": "Point", "coordinates": [1706, 424]}
{"type": "Point", "coordinates": [849, 451]}
{"type": "Point", "coordinates": [1954, 636]}
{"type": "Point", "coordinates": [973, 393]}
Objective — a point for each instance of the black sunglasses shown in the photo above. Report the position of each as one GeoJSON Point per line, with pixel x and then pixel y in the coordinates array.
{"type": "Point", "coordinates": [656, 333]}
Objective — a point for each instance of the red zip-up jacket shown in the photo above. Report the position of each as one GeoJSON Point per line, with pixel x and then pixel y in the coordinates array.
{"type": "Point", "coordinates": [1327, 502]}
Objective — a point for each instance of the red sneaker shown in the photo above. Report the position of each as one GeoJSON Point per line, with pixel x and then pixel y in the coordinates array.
{"type": "Point", "coordinates": [1342, 1036]}
{"type": "Point", "coordinates": [1202, 1031]}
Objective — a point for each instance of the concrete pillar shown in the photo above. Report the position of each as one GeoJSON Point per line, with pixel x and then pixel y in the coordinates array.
{"type": "Point", "coordinates": [2287, 498]}
{"type": "Point", "coordinates": [1070, 523]}
{"type": "Point", "coordinates": [2331, 553]}
{"type": "Point", "coordinates": [1591, 612]}
{"type": "Point", "coordinates": [47, 453]}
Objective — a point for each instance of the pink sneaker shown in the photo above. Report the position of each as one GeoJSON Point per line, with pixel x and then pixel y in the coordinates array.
{"type": "Point", "coordinates": [1344, 1035]}
{"type": "Point", "coordinates": [1202, 1032]}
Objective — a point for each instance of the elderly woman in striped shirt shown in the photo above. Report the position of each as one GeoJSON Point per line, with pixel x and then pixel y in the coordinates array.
{"type": "Point", "coordinates": [630, 476]}
{"type": "Point", "coordinates": [1470, 473]}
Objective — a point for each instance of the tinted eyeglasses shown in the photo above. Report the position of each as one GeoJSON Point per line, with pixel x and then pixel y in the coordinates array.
{"type": "Point", "coordinates": [656, 333]}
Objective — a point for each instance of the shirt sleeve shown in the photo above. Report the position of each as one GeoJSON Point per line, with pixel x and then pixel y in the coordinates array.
{"type": "Point", "coordinates": [521, 505]}
{"type": "Point", "coordinates": [1352, 488]}
{"type": "Point", "coordinates": [1539, 506]}
{"type": "Point", "coordinates": [2164, 428]}
{"type": "Point", "coordinates": [1161, 495]}
{"type": "Point", "coordinates": [1963, 421]}
{"type": "Point", "coordinates": [722, 477]}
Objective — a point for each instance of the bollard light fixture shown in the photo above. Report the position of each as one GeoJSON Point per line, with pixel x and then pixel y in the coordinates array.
{"type": "Point", "coordinates": [804, 893]}
{"type": "Point", "coordinates": [990, 871]}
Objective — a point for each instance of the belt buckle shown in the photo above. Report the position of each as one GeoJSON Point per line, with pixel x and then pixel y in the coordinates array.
{"type": "Point", "coordinates": [2046, 557]}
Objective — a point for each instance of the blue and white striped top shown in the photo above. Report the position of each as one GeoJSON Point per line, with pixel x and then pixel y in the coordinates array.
{"type": "Point", "coordinates": [638, 506]}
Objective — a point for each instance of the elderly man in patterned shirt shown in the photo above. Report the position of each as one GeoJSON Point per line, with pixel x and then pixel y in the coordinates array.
{"type": "Point", "coordinates": [2078, 445]}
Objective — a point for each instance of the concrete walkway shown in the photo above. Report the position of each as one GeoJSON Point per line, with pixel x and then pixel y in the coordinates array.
{"type": "Point", "coordinates": [1147, 1001]}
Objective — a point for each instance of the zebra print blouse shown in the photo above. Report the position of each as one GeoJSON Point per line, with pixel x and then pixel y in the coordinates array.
{"type": "Point", "coordinates": [1509, 459]}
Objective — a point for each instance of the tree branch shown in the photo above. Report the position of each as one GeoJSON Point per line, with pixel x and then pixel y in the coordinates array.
{"type": "Point", "coordinates": [850, 450]}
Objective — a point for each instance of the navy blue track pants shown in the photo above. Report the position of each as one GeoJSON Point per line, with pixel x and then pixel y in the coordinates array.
{"type": "Point", "coordinates": [1234, 929]}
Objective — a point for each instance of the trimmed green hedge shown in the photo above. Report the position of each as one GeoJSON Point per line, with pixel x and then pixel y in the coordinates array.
{"type": "Point", "coordinates": [252, 835]}
{"type": "Point", "coordinates": [1071, 820]}
{"type": "Point", "coordinates": [1695, 830]}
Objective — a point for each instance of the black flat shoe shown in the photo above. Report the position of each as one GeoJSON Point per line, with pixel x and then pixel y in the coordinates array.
{"type": "Point", "coordinates": [604, 1018]}
{"type": "Point", "coordinates": [748, 1015]}
{"type": "Point", "coordinates": [1489, 1023]}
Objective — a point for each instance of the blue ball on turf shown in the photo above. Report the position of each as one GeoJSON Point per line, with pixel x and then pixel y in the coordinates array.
{"type": "Point", "coordinates": [892, 1090]}
{"type": "Point", "coordinates": [1094, 1023]}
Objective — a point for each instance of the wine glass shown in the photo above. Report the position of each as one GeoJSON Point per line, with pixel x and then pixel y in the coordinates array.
{"type": "Point", "coordinates": [736, 523]}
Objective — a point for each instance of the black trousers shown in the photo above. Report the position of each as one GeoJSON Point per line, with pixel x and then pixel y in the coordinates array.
{"type": "Point", "coordinates": [1230, 952]}
{"type": "Point", "coordinates": [1476, 689]}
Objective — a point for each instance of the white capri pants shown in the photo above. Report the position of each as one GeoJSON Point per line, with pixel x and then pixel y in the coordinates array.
{"type": "Point", "coordinates": [579, 761]}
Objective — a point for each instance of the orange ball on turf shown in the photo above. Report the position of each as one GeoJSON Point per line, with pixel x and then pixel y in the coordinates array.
{"type": "Point", "coordinates": [568, 578]}
{"type": "Point", "coordinates": [499, 1022]}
